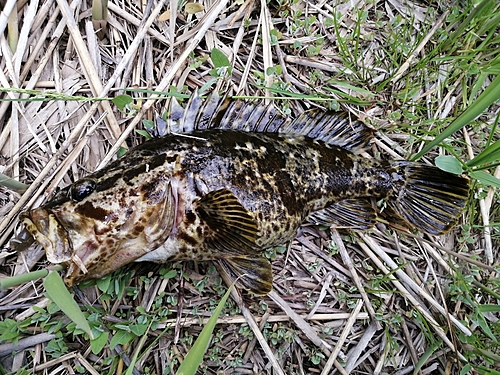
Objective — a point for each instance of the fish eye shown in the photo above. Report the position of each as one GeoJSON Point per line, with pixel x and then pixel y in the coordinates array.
{"type": "Point", "coordinates": [81, 189]}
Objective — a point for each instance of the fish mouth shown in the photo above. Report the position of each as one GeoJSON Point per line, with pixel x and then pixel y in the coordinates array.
{"type": "Point", "coordinates": [48, 232]}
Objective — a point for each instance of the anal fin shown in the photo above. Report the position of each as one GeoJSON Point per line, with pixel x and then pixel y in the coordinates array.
{"type": "Point", "coordinates": [253, 273]}
{"type": "Point", "coordinates": [349, 213]}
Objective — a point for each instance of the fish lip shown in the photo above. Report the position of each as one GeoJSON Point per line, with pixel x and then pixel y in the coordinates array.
{"type": "Point", "coordinates": [22, 241]}
{"type": "Point", "coordinates": [48, 231]}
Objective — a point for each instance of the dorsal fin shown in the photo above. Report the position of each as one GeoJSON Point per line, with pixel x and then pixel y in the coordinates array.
{"type": "Point", "coordinates": [210, 113]}
{"type": "Point", "coordinates": [252, 117]}
{"type": "Point", "coordinates": [174, 122]}
{"type": "Point", "coordinates": [176, 114]}
{"type": "Point", "coordinates": [335, 128]}
{"type": "Point", "coordinates": [193, 109]}
{"type": "Point", "coordinates": [233, 231]}
{"type": "Point", "coordinates": [197, 115]}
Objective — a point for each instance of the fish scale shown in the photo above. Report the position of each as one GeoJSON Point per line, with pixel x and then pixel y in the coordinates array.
{"type": "Point", "coordinates": [226, 188]}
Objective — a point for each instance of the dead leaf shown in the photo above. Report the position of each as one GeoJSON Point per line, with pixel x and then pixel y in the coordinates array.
{"type": "Point", "coordinates": [193, 8]}
{"type": "Point", "coordinates": [165, 16]}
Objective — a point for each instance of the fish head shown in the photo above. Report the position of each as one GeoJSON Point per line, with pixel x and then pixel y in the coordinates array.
{"type": "Point", "coordinates": [94, 230]}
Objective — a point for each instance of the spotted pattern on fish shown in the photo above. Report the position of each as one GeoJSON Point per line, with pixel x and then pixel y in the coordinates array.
{"type": "Point", "coordinates": [227, 195]}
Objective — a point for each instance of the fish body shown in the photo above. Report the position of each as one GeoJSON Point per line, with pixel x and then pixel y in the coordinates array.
{"type": "Point", "coordinates": [227, 194]}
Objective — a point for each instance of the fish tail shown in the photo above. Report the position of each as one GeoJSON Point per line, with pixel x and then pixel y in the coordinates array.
{"type": "Point", "coordinates": [430, 199]}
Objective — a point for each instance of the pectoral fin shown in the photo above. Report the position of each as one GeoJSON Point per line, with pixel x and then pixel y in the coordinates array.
{"type": "Point", "coordinates": [349, 213]}
{"type": "Point", "coordinates": [255, 273]}
{"type": "Point", "coordinates": [233, 231]}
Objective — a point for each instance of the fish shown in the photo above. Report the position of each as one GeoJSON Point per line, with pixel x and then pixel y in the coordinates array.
{"type": "Point", "coordinates": [228, 179]}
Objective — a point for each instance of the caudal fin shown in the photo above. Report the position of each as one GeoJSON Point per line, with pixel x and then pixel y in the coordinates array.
{"type": "Point", "coordinates": [427, 197]}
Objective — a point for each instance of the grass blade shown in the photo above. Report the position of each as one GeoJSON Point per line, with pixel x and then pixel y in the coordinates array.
{"type": "Point", "coordinates": [481, 9]}
{"type": "Point", "coordinates": [13, 281]}
{"type": "Point", "coordinates": [195, 355]}
{"type": "Point", "coordinates": [424, 358]}
{"type": "Point", "coordinates": [485, 178]}
{"type": "Point", "coordinates": [489, 96]}
{"type": "Point", "coordinates": [488, 308]}
{"type": "Point", "coordinates": [12, 184]}
{"type": "Point", "coordinates": [58, 293]}
{"type": "Point", "coordinates": [100, 10]}
{"type": "Point", "coordinates": [488, 155]}
{"type": "Point", "coordinates": [130, 369]}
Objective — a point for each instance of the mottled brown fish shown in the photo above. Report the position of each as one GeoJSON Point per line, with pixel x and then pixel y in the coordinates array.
{"type": "Point", "coordinates": [237, 181]}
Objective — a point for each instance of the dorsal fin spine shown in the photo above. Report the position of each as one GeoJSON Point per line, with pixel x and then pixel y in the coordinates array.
{"type": "Point", "coordinates": [334, 128]}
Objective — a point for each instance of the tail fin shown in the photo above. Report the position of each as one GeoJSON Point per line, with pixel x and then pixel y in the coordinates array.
{"type": "Point", "coordinates": [426, 197]}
